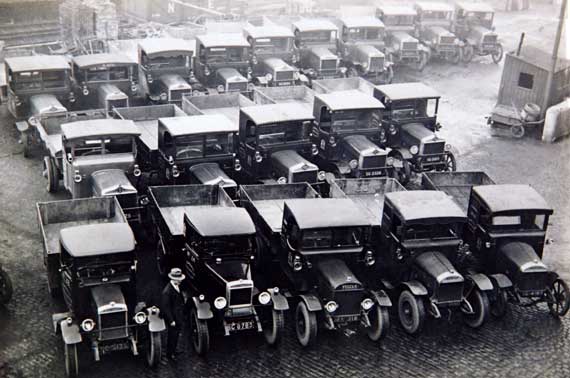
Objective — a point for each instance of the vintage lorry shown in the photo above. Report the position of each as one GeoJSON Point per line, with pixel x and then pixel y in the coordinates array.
{"type": "Point", "coordinates": [165, 69]}
{"type": "Point", "coordinates": [506, 233]}
{"type": "Point", "coordinates": [298, 94]}
{"type": "Point", "coordinates": [316, 40]}
{"type": "Point", "coordinates": [227, 104]}
{"type": "Point", "coordinates": [402, 48]}
{"type": "Point", "coordinates": [104, 81]}
{"type": "Point", "coordinates": [433, 28]}
{"type": "Point", "coordinates": [306, 244]}
{"type": "Point", "coordinates": [29, 76]}
{"type": "Point", "coordinates": [89, 255]}
{"type": "Point", "coordinates": [215, 256]}
{"type": "Point", "coordinates": [361, 48]}
{"type": "Point", "coordinates": [273, 142]}
{"type": "Point", "coordinates": [223, 62]}
{"type": "Point", "coordinates": [272, 53]}
{"type": "Point", "coordinates": [473, 24]}
{"type": "Point", "coordinates": [410, 125]}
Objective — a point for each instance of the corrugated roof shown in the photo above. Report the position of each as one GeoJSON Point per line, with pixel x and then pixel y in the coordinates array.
{"type": "Point", "coordinates": [350, 99]}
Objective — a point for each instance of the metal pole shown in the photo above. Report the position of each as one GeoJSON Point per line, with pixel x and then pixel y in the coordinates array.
{"type": "Point", "coordinates": [548, 91]}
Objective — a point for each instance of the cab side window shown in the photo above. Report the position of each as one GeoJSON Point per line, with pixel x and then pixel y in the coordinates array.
{"type": "Point", "coordinates": [325, 119]}
{"type": "Point", "coordinates": [250, 132]}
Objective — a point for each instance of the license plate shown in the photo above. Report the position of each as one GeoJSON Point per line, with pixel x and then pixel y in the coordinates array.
{"type": "Point", "coordinates": [432, 159]}
{"type": "Point", "coordinates": [349, 319]}
{"type": "Point", "coordinates": [283, 83]}
{"type": "Point", "coordinates": [373, 173]}
{"type": "Point", "coordinates": [109, 348]}
{"type": "Point", "coordinates": [241, 326]}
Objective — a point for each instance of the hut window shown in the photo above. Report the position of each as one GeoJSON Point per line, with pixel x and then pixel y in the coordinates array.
{"type": "Point", "coordinates": [526, 80]}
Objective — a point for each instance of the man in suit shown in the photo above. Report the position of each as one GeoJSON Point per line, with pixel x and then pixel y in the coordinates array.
{"type": "Point", "coordinates": [173, 310]}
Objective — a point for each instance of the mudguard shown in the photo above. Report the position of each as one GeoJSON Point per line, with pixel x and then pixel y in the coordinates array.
{"type": "Point", "coordinates": [70, 332]}
{"type": "Point", "coordinates": [22, 126]}
{"type": "Point", "coordinates": [58, 318]}
{"type": "Point", "coordinates": [262, 80]}
{"type": "Point", "coordinates": [406, 154]}
{"type": "Point", "coordinates": [552, 276]}
{"type": "Point", "coordinates": [279, 301]}
{"type": "Point", "coordinates": [155, 322]}
{"type": "Point", "coordinates": [480, 280]}
{"type": "Point", "coordinates": [381, 298]}
{"type": "Point", "coordinates": [416, 287]}
{"type": "Point", "coordinates": [203, 309]}
{"type": "Point", "coordinates": [500, 280]}
{"type": "Point", "coordinates": [312, 302]}
{"type": "Point", "coordinates": [304, 79]}
{"type": "Point", "coordinates": [423, 48]}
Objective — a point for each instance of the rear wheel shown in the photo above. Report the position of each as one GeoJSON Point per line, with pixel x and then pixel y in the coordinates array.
{"type": "Point", "coordinates": [411, 311]}
{"type": "Point", "coordinates": [379, 323]}
{"type": "Point", "coordinates": [305, 325]}
{"type": "Point", "coordinates": [498, 54]}
{"type": "Point", "coordinates": [517, 131]}
{"type": "Point", "coordinates": [6, 289]}
{"type": "Point", "coordinates": [154, 349]}
{"type": "Point", "coordinates": [71, 361]}
{"type": "Point", "coordinates": [50, 174]}
{"type": "Point", "coordinates": [273, 329]}
{"type": "Point", "coordinates": [501, 303]}
{"type": "Point", "coordinates": [480, 304]}
{"type": "Point", "coordinates": [561, 296]}
{"type": "Point", "coordinates": [199, 333]}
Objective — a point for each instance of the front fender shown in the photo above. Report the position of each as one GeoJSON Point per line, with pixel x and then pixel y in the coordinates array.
{"type": "Point", "coordinates": [155, 322]}
{"type": "Point", "coordinates": [416, 287]}
{"type": "Point", "coordinates": [23, 126]}
{"type": "Point", "coordinates": [501, 281]}
{"type": "Point", "coordinates": [262, 80]}
{"type": "Point", "coordinates": [203, 309]}
{"type": "Point", "coordinates": [405, 153]}
{"type": "Point", "coordinates": [480, 280]}
{"type": "Point", "coordinates": [70, 333]}
{"type": "Point", "coordinates": [312, 302]}
{"type": "Point", "coordinates": [381, 298]}
{"type": "Point", "coordinates": [552, 276]}
{"type": "Point", "coordinates": [279, 301]}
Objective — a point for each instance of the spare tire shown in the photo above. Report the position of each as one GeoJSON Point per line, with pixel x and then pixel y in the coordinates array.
{"type": "Point", "coordinates": [530, 112]}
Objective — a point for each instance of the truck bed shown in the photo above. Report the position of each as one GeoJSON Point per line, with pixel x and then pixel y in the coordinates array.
{"type": "Point", "coordinates": [266, 202]}
{"type": "Point", "coordinates": [456, 184]}
{"type": "Point", "coordinates": [299, 94]}
{"type": "Point", "coordinates": [57, 215]}
{"type": "Point", "coordinates": [227, 104]}
{"type": "Point", "coordinates": [368, 194]}
{"type": "Point", "coordinates": [343, 84]}
{"type": "Point", "coordinates": [172, 202]}
{"type": "Point", "coordinates": [146, 118]}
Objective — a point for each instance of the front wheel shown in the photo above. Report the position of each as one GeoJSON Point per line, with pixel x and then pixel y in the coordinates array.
{"type": "Point", "coordinates": [497, 55]}
{"type": "Point", "coordinates": [305, 325]}
{"type": "Point", "coordinates": [517, 131]}
{"type": "Point", "coordinates": [468, 54]}
{"type": "Point", "coordinates": [458, 56]}
{"type": "Point", "coordinates": [480, 304]}
{"type": "Point", "coordinates": [500, 305]}
{"type": "Point", "coordinates": [26, 143]}
{"type": "Point", "coordinates": [71, 361]}
{"type": "Point", "coordinates": [379, 323]}
{"type": "Point", "coordinates": [50, 174]}
{"type": "Point", "coordinates": [411, 311]}
{"type": "Point", "coordinates": [199, 333]}
{"type": "Point", "coordinates": [450, 163]}
{"type": "Point", "coordinates": [561, 298]}
{"type": "Point", "coordinates": [6, 288]}
{"type": "Point", "coordinates": [154, 349]}
{"type": "Point", "coordinates": [273, 329]}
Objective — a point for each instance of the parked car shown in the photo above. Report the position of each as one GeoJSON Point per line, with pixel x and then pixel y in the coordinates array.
{"type": "Point", "coordinates": [201, 231]}
{"type": "Point", "coordinates": [316, 40]}
{"type": "Point", "coordinates": [348, 124]}
{"type": "Point", "coordinates": [473, 24]}
{"type": "Point", "coordinates": [104, 81]}
{"type": "Point", "coordinates": [165, 69]}
{"type": "Point", "coordinates": [28, 76]}
{"type": "Point", "coordinates": [308, 244]}
{"type": "Point", "coordinates": [506, 234]}
{"type": "Point", "coordinates": [89, 254]}
{"type": "Point", "coordinates": [223, 62]}
{"type": "Point", "coordinates": [433, 28]}
{"type": "Point", "coordinates": [410, 124]}
{"type": "Point", "coordinates": [273, 51]}
{"type": "Point", "coordinates": [361, 45]}
{"type": "Point", "coordinates": [273, 142]}
{"type": "Point", "coordinates": [6, 288]}
{"type": "Point", "coordinates": [401, 47]}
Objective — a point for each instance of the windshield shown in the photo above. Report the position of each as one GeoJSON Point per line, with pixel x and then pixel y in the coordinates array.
{"type": "Point", "coordinates": [431, 231]}
{"type": "Point", "coordinates": [319, 36]}
{"type": "Point", "coordinates": [364, 33]}
{"type": "Point", "coordinates": [285, 132]}
{"type": "Point", "coordinates": [348, 120]}
{"type": "Point", "coordinates": [331, 238]}
{"type": "Point", "coordinates": [222, 55]}
{"type": "Point", "coordinates": [192, 146]}
{"type": "Point", "coordinates": [107, 74]}
{"type": "Point", "coordinates": [280, 44]}
{"type": "Point", "coordinates": [114, 145]}
{"type": "Point", "coordinates": [410, 109]}
{"type": "Point", "coordinates": [168, 61]}
{"type": "Point", "coordinates": [393, 20]}
{"type": "Point", "coordinates": [436, 15]}
{"type": "Point", "coordinates": [480, 16]}
{"type": "Point", "coordinates": [39, 80]}
{"type": "Point", "coordinates": [532, 222]}
{"type": "Point", "coordinates": [229, 245]}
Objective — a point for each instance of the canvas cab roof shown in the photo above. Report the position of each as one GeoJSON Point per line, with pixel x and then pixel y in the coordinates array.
{"type": "Point", "coordinates": [511, 197]}
{"type": "Point", "coordinates": [198, 124]}
{"type": "Point", "coordinates": [97, 239]}
{"type": "Point", "coordinates": [207, 221]}
{"type": "Point", "coordinates": [421, 205]}
{"type": "Point", "coordinates": [349, 100]}
{"type": "Point", "coordinates": [37, 63]}
{"type": "Point", "coordinates": [404, 91]}
{"type": "Point", "coordinates": [99, 128]}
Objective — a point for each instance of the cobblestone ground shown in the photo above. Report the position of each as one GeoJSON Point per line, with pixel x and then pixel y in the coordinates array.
{"type": "Point", "coordinates": [528, 342]}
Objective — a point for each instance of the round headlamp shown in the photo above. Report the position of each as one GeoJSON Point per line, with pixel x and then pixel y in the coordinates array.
{"type": "Point", "coordinates": [85, 91]}
{"type": "Point", "coordinates": [392, 129]}
{"type": "Point", "coordinates": [220, 303]}
{"type": "Point", "coordinates": [314, 150]}
{"type": "Point", "coordinates": [268, 77]}
{"type": "Point", "coordinates": [414, 150]}
{"type": "Point", "coordinates": [448, 147]}
{"type": "Point", "coordinates": [258, 157]}
{"type": "Point", "coordinates": [367, 304]}
{"type": "Point", "coordinates": [296, 75]}
{"type": "Point", "coordinates": [321, 175]}
{"type": "Point", "coordinates": [353, 164]}
{"type": "Point", "coordinates": [207, 71]}
{"type": "Point", "coordinates": [297, 264]}
{"type": "Point", "coordinates": [264, 298]}
{"type": "Point", "coordinates": [137, 171]}
{"type": "Point", "coordinates": [140, 317]}
{"type": "Point", "coordinates": [382, 135]}
{"type": "Point", "coordinates": [220, 88]}
{"type": "Point", "coordinates": [254, 59]}
{"type": "Point", "coordinates": [163, 96]}
{"type": "Point", "coordinates": [87, 325]}
{"type": "Point", "coordinates": [282, 180]}
{"type": "Point", "coordinates": [331, 306]}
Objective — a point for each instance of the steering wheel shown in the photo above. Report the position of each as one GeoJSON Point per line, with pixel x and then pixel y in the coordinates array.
{"type": "Point", "coordinates": [188, 152]}
{"type": "Point", "coordinates": [96, 151]}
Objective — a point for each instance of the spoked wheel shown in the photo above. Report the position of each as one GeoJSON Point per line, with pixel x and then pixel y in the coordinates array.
{"type": "Point", "coordinates": [154, 349]}
{"type": "Point", "coordinates": [273, 329]}
{"type": "Point", "coordinates": [305, 325]}
{"type": "Point", "coordinates": [379, 323]}
{"type": "Point", "coordinates": [403, 173]}
{"type": "Point", "coordinates": [352, 72]}
{"type": "Point", "coordinates": [458, 57]}
{"type": "Point", "coordinates": [561, 296]}
{"type": "Point", "coordinates": [50, 174]}
{"type": "Point", "coordinates": [498, 55]}
{"type": "Point", "coordinates": [468, 54]}
{"type": "Point", "coordinates": [450, 163]}
{"type": "Point", "coordinates": [6, 288]}
{"type": "Point", "coordinates": [199, 333]}
{"type": "Point", "coordinates": [424, 58]}
{"type": "Point", "coordinates": [71, 361]}
{"type": "Point", "coordinates": [411, 311]}
{"type": "Point", "coordinates": [517, 131]}
{"type": "Point", "coordinates": [500, 305]}
{"type": "Point", "coordinates": [480, 304]}
{"type": "Point", "coordinates": [161, 258]}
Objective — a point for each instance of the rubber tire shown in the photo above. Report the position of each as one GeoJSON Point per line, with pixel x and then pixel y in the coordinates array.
{"type": "Point", "coordinates": [417, 309]}
{"type": "Point", "coordinates": [51, 175]}
{"type": "Point", "coordinates": [6, 287]}
{"type": "Point", "coordinates": [71, 361]}
{"type": "Point", "coordinates": [352, 72]}
{"type": "Point", "coordinates": [499, 56]}
{"type": "Point", "coordinates": [199, 333]}
{"type": "Point", "coordinates": [560, 311]}
{"type": "Point", "coordinates": [154, 350]}
{"type": "Point", "coordinates": [501, 304]}
{"type": "Point", "coordinates": [273, 330]}
{"type": "Point", "coordinates": [450, 163]}
{"type": "Point", "coordinates": [480, 303]}
{"type": "Point", "coordinates": [458, 58]}
{"type": "Point", "coordinates": [25, 139]}
{"type": "Point", "coordinates": [379, 323]}
{"type": "Point", "coordinates": [517, 131]}
{"type": "Point", "coordinates": [307, 336]}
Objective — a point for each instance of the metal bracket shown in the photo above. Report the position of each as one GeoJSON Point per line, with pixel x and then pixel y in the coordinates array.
{"type": "Point", "coordinates": [434, 310]}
